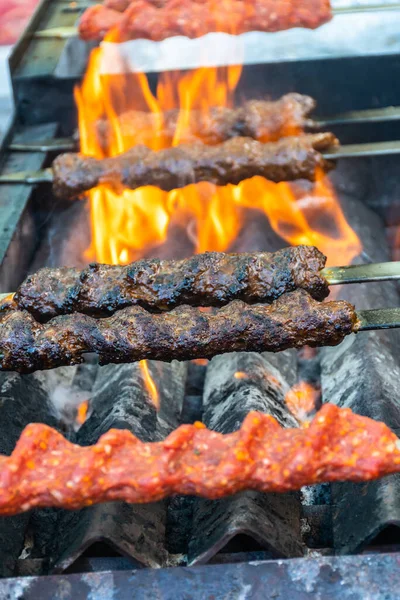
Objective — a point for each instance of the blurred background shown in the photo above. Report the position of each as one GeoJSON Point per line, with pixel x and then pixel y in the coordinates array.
{"type": "Point", "coordinates": [14, 14]}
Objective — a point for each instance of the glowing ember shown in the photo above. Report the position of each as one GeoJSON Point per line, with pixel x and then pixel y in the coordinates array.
{"type": "Point", "coordinates": [241, 375]}
{"type": "Point", "coordinates": [202, 362]}
{"type": "Point", "coordinates": [82, 412]}
{"type": "Point", "coordinates": [127, 225]}
{"type": "Point", "coordinates": [149, 383]}
{"type": "Point", "coordinates": [302, 400]}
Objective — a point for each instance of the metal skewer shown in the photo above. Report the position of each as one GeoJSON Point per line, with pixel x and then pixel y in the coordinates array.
{"type": "Point", "coordinates": [53, 145]}
{"type": "Point", "coordinates": [379, 318]}
{"type": "Point", "coordinates": [346, 151]}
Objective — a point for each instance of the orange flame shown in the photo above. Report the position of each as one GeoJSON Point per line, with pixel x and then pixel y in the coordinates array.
{"type": "Point", "coordinates": [127, 225]}
{"type": "Point", "coordinates": [149, 383]}
{"type": "Point", "coordinates": [302, 400]}
{"type": "Point", "coordinates": [82, 412]}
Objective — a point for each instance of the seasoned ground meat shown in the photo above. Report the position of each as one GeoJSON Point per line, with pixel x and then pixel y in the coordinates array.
{"type": "Point", "coordinates": [232, 161]}
{"type": "Point", "coordinates": [132, 334]}
{"type": "Point", "coordinates": [210, 279]}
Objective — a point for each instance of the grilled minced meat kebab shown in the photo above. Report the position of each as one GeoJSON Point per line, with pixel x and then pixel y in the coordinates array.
{"type": "Point", "coordinates": [132, 334]}
{"type": "Point", "coordinates": [210, 279]}
{"type": "Point", "coordinates": [266, 121]}
{"type": "Point", "coordinates": [232, 161]}
{"type": "Point", "coordinates": [147, 19]}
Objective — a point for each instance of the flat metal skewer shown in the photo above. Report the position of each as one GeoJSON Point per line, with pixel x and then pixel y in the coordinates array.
{"type": "Point", "coordinates": [379, 318]}
{"type": "Point", "coordinates": [54, 145]}
{"type": "Point", "coordinates": [362, 273]}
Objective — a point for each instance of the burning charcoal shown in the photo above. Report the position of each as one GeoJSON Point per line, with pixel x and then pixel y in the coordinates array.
{"type": "Point", "coordinates": [146, 399]}
{"type": "Point", "coordinates": [236, 384]}
{"type": "Point", "coordinates": [363, 374]}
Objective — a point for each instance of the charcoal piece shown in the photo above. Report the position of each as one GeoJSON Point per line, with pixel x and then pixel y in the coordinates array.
{"type": "Point", "coordinates": [363, 373]}
{"type": "Point", "coordinates": [269, 520]}
{"type": "Point", "coordinates": [121, 400]}
{"type": "Point", "coordinates": [23, 399]}
{"type": "Point", "coordinates": [133, 530]}
{"type": "Point", "coordinates": [236, 384]}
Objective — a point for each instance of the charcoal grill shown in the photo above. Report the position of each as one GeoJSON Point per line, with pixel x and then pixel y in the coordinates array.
{"type": "Point", "coordinates": [324, 541]}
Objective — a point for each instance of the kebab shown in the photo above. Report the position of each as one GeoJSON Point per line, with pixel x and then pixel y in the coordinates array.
{"type": "Point", "coordinates": [210, 279]}
{"type": "Point", "coordinates": [232, 161]}
{"type": "Point", "coordinates": [266, 121]}
{"type": "Point", "coordinates": [263, 120]}
{"type": "Point", "coordinates": [292, 321]}
{"type": "Point", "coordinates": [46, 470]}
{"type": "Point", "coordinates": [146, 19]}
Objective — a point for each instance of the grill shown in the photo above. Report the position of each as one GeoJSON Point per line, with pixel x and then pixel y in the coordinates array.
{"type": "Point", "coordinates": [324, 539]}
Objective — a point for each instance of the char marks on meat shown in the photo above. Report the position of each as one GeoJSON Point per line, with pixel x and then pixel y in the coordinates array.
{"type": "Point", "coordinates": [132, 334]}
{"type": "Point", "coordinates": [232, 161]}
{"type": "Point", "coordinates": [266, 121]}
{"type": "Point", "coordinates": [158, 20]}
{"type": "Point", "coordinates": [210, 279]}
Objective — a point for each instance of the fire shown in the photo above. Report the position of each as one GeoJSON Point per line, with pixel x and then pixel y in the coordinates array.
{"type": "Point", "coordinates": [149, 383]}
{"type": "Point", "coordinates": [302, 400]}
{"type": "Point", "coordinates": [241, 375]}
{"type": "Point", "coordinates": [130, 224]}
{"type": "Point", "coordinates": [82, 412]}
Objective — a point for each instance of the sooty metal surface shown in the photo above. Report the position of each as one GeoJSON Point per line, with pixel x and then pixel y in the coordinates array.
{"type": "Point", "coordinates": [120, 400]}
{"type": "Point", "coordinates": [17, 219]}
{"type": "Point", "coordinates": [374, 577]}
{"type": "Point", "coordinates": [236, 384]}
{"type": "Point", "coordinates": [23, 399]}
{"type": "Point", "coordinates": [363, 374]}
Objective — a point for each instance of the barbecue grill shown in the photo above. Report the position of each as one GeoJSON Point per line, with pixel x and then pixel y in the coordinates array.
{"type": "Point", "coordinates": [322, 540]}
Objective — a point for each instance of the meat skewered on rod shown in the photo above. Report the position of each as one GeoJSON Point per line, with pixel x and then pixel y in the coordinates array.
{"type": "Point", "coordinates": [262, 120]}
{"type": "Point", "coordinates": [232, 161]}
{"type": "Point", "coordinates": [338, 445]}
{"type": "Point", "coordinates": [272, 120]}
{"type": "Point", "coordinates": [210, 279]}
{"type": "Point", "coordinates": [132, 334]}
{"type": "Point", "coordinates": [71, 32]}
{"type": "Point", "coordinates": [143, 19]}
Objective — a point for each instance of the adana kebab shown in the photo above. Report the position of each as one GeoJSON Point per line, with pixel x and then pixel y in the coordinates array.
{"type": "Point", "coordinates": [232, 161]}
{"type": "Point", "coordinates": [266, 121]}
{"type": "Point", "coordinates": [210, 279]}
{"type": "Point", "coordinates": [146, 19]}
{"type": "Point", "coordinates": [292, 321]}
{"type": "Point", "coordinates": [46, 470]}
